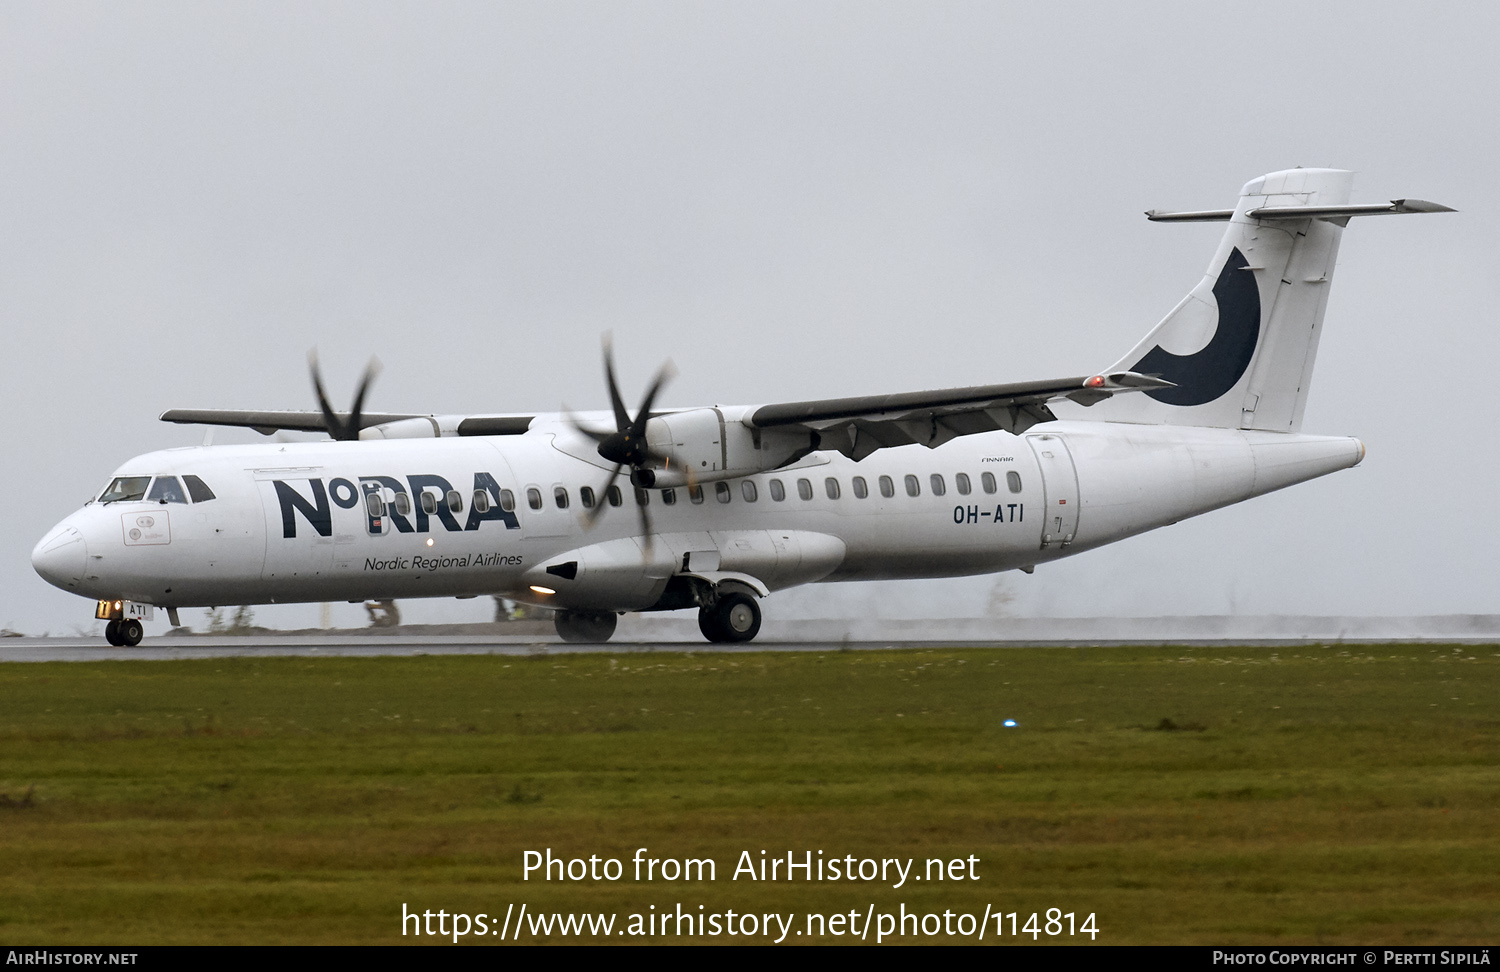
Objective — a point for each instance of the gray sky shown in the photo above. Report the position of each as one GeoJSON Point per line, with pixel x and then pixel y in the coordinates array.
{"type": "Point", "coordinates": [791, 200]}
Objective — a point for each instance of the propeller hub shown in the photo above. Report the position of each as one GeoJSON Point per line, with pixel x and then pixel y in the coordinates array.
{"type": "Point", "coordinates": [625, 449]}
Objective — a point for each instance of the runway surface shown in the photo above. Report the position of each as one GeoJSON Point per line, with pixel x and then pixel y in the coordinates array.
{"type": "Point", "coordinates": [673, 634]}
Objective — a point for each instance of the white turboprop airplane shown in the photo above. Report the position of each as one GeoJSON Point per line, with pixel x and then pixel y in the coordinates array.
{"type": "Point", "coordinates": [734, 502]}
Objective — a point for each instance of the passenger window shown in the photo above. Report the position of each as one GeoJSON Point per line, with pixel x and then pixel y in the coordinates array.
{"type": "Point", "coordinates": [778, 491]}
{"type": "Point", "coordinates": [560, 497]}
{"type": "Point", "coordinates": [831, 487]}
{"type": "Point", "coordinates": [1013, 480]}
{"type": "Point", "coordinates": [939, 487]}
{"type": "Point", "coordinates": [429, 503]}
{"type": "Point", "coordinates": [586, 497]}
{"type": "Point", "coordinates": [860, 489]}
{"type": "Point", "coordinates": [615, 499]}
{"type": "Point", "coordinates": [887, 488]}
{"type": "Point", "coordinates": [166, 489]}
{"type": "Point", "coordinates": [642, 498]}
{"type": "Point", "coordinates": [403, 504]}
{"type": "Point", "coordinates": [455, 501]}
{"type": "Point", "coordinates": [961, 480]}
{"type": "Point", "coordinates": [695, 494]}
{"type": "Point", "coordinates": [987, 480]}
{"type": "Point", "coordinates": [721, 491]}
{"type": "Point", "coordinates": [507, 501]}
{"type": "Point", "coordinates": [125, 489]}
{"type": "Point", "coordinates": [374, 505]}
{"type": "Point", "coordinates": [481, 501]}
{"type": "Point", "coordinates": [804, 489]}
{"type": "Point", "coordinates": [533, 497]}
{"type": "Point", "coordinates": [668, 496]}
{"type": "Point", "coordinates": [913, 486]}
{"type": "Point", "coordinates": [748, 490]}
{"type": "Point", "coordinates": [198, 489]}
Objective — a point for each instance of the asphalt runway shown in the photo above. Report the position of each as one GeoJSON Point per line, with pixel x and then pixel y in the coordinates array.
{"type": "Point", "coordinates": [367, 646]}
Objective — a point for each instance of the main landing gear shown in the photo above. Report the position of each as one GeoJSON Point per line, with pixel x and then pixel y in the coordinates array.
{"type": "Point", "coordinates": [732, 618]}
{"type": "Point", "coordinates": [582, 627]}
{"type": "Point", "coordinates": [124, 634]}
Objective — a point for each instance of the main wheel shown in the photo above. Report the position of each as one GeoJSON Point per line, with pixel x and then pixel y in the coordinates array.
{"type": "Point", "coordinates": [112, 634]}
{"type": "Point", "coordinates": [580, 627]}
{"type": "Point", "coordinates": [735, 618]}
{"type": "Point", "coordinates": [131, 632]}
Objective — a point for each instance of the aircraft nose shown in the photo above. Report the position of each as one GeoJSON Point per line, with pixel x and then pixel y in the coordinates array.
{"type": "Point", "coordinates": [60, 557]}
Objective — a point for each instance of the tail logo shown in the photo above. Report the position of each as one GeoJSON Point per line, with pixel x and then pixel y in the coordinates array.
{"type": "Point", "coordinates": [1205, 375]}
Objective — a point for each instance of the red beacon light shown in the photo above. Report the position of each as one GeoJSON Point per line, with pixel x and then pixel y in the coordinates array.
{"type": "Point", "coordinates": [1095, 382]}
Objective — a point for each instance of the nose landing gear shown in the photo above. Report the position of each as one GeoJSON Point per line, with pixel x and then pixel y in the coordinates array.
{"type": "Point", "coordinates": [124, 634]}
{"type": "Point", "coordinates": [124, 628]}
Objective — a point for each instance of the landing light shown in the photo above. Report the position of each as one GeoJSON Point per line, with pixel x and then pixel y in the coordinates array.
{"type": "Point", "coordinates": [1010, 723]}
{"type": "Point", "coordinates": [542, 590]}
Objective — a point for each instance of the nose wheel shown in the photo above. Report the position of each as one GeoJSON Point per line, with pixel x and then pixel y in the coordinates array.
{"type": "Point", "coordinates": [124, 634]}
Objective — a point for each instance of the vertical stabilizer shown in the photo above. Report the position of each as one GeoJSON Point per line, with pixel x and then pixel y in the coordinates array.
{"type": "Point", "coordinates": [1240, 346]}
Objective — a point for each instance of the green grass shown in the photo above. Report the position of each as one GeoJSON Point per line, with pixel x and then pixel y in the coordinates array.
{"type": "Point", "coordinates": [1338, 794]}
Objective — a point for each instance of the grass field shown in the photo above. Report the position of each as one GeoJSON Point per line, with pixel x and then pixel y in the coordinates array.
{"type": "Point", "coordinates": [1224, 795]}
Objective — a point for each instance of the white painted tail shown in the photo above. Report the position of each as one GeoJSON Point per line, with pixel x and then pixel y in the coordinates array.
{"type": "Point", "coordinates": [1240, 346]}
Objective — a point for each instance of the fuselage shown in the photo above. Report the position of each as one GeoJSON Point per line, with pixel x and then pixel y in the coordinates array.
{"type": "Point", "coordinates": [461, 517]}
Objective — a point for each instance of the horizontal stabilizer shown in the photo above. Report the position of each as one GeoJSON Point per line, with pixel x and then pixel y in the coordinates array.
{"type": "Point", "coordinates": [1395, 207]}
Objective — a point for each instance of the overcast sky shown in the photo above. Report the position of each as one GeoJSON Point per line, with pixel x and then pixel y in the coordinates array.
{"type": "Point", "coordinates": [791, 200]}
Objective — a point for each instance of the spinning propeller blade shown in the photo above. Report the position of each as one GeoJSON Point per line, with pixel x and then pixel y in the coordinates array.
{"type": "Point", "coordinates": [626, 445]}
{"type": "Point", "coordinates": [342, 429]}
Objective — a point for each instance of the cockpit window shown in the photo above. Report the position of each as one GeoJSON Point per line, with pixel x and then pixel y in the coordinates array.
{"type": "Point", "coordinates": [125, 489]}
{"type": "Point", "coordinates": [198, 489]}
{"type": "Point", "coordinates": [167, 489]}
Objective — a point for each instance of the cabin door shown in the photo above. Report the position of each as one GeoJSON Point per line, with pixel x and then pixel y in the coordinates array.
{"type": "Point", "coordinates": [1060, 489]}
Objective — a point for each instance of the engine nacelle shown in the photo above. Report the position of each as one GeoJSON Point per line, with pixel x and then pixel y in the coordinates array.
{"type": "Point", "coordinates": [421, 427]}
{"type": "Point", "coordinates": [707, 444]}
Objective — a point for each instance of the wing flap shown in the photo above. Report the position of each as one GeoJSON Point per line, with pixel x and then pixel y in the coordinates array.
{"type": "Point", "coordinates": [858, 427]}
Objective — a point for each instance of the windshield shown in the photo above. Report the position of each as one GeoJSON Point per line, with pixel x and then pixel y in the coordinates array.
{"type": "Point", "coordinates": [125, 488]}
{"type": "Point", "coordinates": [198, 489]}
{"type": "Point", "coordinates": [167, 490]}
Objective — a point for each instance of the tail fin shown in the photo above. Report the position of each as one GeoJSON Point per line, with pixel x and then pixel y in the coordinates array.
{"type": "Point", "coordinates": [1239, 348]}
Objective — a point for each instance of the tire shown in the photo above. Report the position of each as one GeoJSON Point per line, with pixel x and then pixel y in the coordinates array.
{"type": "Point", "coordinates": [585, 627]}
{"type": "Point", "coordinates": [734, 619]}
{"type": "Point", "coordinates": [131, 632]}
{"type": "Point", "coordinates": [112, 634]}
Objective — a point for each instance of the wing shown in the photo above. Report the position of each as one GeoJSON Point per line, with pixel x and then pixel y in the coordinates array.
{"type": "Point", "coordinates": [268, 423]}
{"type": "Point", "coordinates": [857, 427]}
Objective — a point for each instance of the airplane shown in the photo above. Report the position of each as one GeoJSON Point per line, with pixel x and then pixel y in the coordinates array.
{"type": "Point", "coordinates": [730, 503]}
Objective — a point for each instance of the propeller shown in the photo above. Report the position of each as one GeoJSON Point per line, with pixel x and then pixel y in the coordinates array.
{"type": "Point", "coordinates": [626, 445]}
{"type": "Point", "coordinates": [342, 429]}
